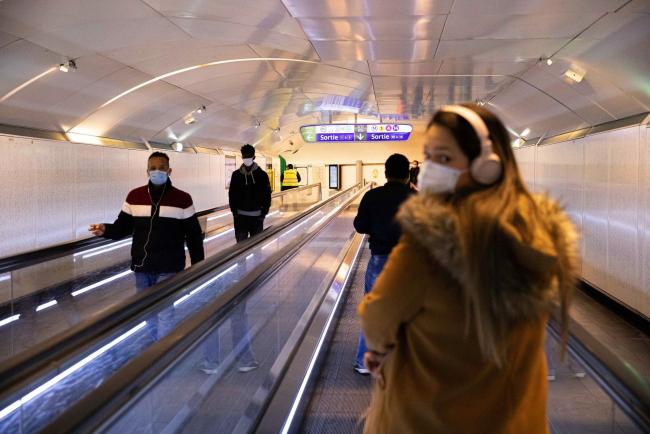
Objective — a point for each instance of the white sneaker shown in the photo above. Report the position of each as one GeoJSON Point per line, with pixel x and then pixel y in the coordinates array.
{"type": "Point", "coordinates": [361, 370]}
{"type": "Point", "coordinates": [209, 367]}
{"type": "Point", "coordinates": [247, 367]}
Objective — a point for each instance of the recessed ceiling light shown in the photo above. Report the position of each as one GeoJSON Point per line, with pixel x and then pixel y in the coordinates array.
{"type": "Point", "coordinates": [549, 61]}
{"type": "Point", "coordinates": [177, 146]}
{"type": "Point", "coordinates": [189, 120]}
{"type": "Point", "coordinates": [575, 74]}
{"type": "Point", "coordinates": [525, 132]}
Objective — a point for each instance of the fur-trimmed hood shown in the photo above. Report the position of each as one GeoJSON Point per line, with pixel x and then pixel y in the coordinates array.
{"type": "Point", "coordinates": [528, 271]}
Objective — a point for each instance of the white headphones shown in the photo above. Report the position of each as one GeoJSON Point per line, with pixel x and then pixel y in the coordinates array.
{"type": "Point", "coordinates": [486, 168]}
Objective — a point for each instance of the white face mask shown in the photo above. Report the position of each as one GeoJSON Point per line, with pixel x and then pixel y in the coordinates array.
{"type": "Point", "coordinates": [436, 178]}
{"type": "Point", "coordinates": [248, 162]}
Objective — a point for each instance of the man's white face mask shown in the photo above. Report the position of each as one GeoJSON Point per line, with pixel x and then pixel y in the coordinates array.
{"type": "Point", "coordinates": [436, 178]}
{"type": "Point", "coordinates": [248, 162]}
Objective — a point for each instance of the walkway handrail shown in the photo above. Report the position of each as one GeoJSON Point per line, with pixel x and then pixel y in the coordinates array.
{"type": "Point", "coordinates": [33, 257]}
{"type": "Point", "coordinates": [102, 403]}
{"type": "Point", "coordinates": [624, 385]}
{"type": "Point", "coordinates": [18, 370]}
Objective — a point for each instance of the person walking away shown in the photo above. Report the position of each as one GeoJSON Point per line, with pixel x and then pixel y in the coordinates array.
{"type": "Point", "coordinates": [455, 322]}
{"type": "Point", "coordinates": [290, 178]}
{"type": "Point", "coordinates": [162, 220]}
{"type": "Point", "coordinates": [414, 171]}
{"type": "Point", "coordinates": [376, 217]}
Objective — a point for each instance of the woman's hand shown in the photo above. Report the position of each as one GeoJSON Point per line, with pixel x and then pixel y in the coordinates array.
{"type": "Point", "coordinates": [373, 362]}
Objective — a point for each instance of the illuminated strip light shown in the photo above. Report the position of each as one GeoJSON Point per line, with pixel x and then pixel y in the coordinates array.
{"type": "Point", "coordinates": [219, 234]}
{"type": "Point", "coordinates": [100, 283]}
{"type": "Point", "coordinates": [314, 357]}
{"type": "Point", "coordinates": [274, 212]}
{"type": "Point", "coordinates": [27, 83]}
{"type": "Point", "coordinates": [250, 256]}
{"type": "Point", "coordinates": [63, 375]}
{"type": "Point", "coordinates": [9, 320]}
{"type": "Point", "coordinates": [195, 290]}
{"type": "Point", "coordinates": [46, 305]}
{"type": "Point", "coordinates": [85, 252]}
{"type": "Point", "coordinates": [268, 244]}
{"type": "Point", "coordinates": [218, 216]}
{"type": "Point", "coordinates": [5, 277]}
{"type": "Point", "coordinates": [202, 65]}
{"type": "Point", "coordinates": [99, 252]}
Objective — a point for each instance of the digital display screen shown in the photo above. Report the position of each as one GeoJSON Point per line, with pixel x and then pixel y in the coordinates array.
{"type": "Point", "coordinates": [334, 176]}
{"type": "Point", "coordinates": [355, 132]}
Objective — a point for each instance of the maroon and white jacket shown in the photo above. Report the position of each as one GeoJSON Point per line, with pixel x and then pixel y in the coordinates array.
{"type": "Point", "coordinates": [159, 232]}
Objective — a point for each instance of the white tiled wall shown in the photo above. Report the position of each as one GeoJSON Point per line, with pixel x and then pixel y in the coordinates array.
{"type": "Point", "coordinates": [603, 180]}
{"type": "Point", "coordinates": [51, 191]}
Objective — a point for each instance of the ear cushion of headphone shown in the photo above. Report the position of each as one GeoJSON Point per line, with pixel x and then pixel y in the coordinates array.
{"type": "Point", "coordinates": [486, 169]}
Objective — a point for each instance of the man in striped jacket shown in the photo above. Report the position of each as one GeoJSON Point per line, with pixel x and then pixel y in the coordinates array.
{"type": "Point", "coordinates": [161, 219]}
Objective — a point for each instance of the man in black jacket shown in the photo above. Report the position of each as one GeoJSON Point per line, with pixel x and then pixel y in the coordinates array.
{"type": "Point", "coordinates": [161, 219]}
{"type": "Point", "coordinates": [376, 217]}
{"type": "Point", "coordinates": [249, 196]}
{"type": "Point", "coordinates": [250, 199]}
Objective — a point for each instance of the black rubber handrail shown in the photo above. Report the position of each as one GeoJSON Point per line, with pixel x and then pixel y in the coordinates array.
{"type": "Point", "coordinates": [104, 401]}
{"type": "Point", "coordinates": [34, 257]}
{"type": "Point", "coordinates": [622, 383]}
{"type": "Point", "coordinates": [21, 369]}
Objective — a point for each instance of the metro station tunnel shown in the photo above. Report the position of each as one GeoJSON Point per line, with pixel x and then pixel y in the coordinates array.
{"type": "Point", "coordinates": [325, 216]}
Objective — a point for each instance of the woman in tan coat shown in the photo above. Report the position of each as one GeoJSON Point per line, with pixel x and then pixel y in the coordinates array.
{"type": "Point", "coordinates": [455, 322]}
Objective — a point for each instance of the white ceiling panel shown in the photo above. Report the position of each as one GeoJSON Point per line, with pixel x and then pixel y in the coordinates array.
{"type": "Point", "coordinates": [365, 8]}
{"type": "Point", "coordinates": [146, 53]}
{"type": "Point", "coordinates": [405, 68]}
{"type": "Point", "coordinates": [169, 108]}
{"type": "Point", "coordinates": [264, 14]}
{"type": "Point", "coordinates": [574, 95]}
{"type": "Point", "coordinates": [375, 50]}
{"type": "Point", "coordinates": [496, 7]}
{"type": "Point", "coordinates": [468, 66]}
{"type": "Point", "coordinates": [182, 60]}
{"type": "Point", "coordinates": [6, 39]}
{"type": "Point", "coordinates": [76, 28]}
{"type": "Point", "coordinates": [307, 54]}
{"type": "Point", "coordinates": [22, 61]}
{"type": "Point", "coordinates": [513, 105]}
{"type": "Point", "coordinates": [532, 26]}
{"type": "Point", "coordinates": [498, 50]}
{"type": "Point", "coordinates": [219, 31]}
{"type": "Point", "coordinates": [374, 29]}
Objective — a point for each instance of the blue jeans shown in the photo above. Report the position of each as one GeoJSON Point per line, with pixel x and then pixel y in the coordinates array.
{"type": "Point", "coordinates": [241, 339]}
{"type": "Point", "coordinates": [163, 322]}
{"type": "Point", "coordinates": [375, 265]}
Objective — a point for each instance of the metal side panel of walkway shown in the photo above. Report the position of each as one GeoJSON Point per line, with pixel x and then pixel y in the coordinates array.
{"type": "Point", "coordinates": [341, 396]}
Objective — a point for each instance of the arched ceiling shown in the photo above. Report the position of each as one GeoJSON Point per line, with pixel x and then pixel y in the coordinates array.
{"type": "Point", "coordinates": [145, 66]}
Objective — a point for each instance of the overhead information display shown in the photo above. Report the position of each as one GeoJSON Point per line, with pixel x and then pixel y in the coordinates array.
{"type": "Point", "coordinates": [355, 132]}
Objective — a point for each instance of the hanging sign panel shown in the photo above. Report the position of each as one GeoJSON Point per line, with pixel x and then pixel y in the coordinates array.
{"type": "Point", "coordinates": [355, 132]}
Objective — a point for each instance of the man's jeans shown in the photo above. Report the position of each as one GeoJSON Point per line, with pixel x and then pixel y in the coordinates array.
{"type": "Point", "coordinates": [375, 265]}
{"type": "Point", "coordinates": [163, 322]}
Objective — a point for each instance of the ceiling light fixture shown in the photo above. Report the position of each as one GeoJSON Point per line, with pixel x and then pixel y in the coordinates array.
{"type": "Point", "coordinates": [575, 74]}
{"type": "Point", "coordinates": [549, 61]}
{"type": "Point", "coordinates": [65, 67]}
{"type": "Point", "coordinates": [189, 120]}
{"type": "Point", "coordinates": [177, 146]}
{"type": "Point", "coordinates": [525, 132]}
{"type": "Point", "coordinates": [200, 109]}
